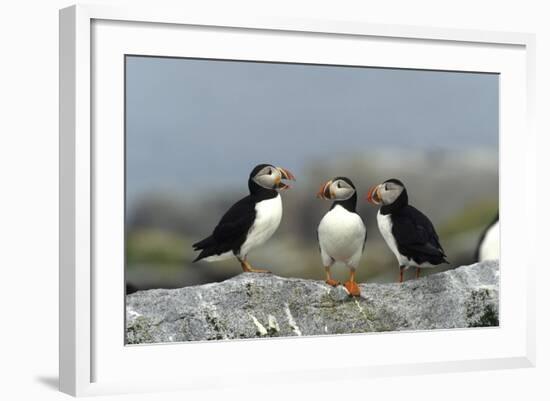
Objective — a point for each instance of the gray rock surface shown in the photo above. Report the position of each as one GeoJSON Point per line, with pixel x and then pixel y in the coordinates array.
{"type": "Point", "coordinates": [264, 305]}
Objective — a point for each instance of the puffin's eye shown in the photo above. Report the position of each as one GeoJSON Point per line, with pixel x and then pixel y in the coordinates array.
{"type": "Point", "coordinates": [269, 171]}
{"type": "Point", "coordinates": [339, 186]}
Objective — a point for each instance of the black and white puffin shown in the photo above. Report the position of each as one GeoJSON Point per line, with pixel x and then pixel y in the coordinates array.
{"type": "Point", "coordinates": [341, 233]}
{"type": "Point", "coordinates": [408, 232]}
{"type": "Point", "coordinates": [251, 221]}
{"type": "Point", "coordinates": [488, 247]}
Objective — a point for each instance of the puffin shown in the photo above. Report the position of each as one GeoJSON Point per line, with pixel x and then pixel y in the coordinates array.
{"type": "Point", "coordinates": [488, 247]}
{"type": "Point", "coordinates": [251, 221]}
{"type": "Point", "coordinates": [341, 233]}
{"type": "Point", "coordinates": [409, 234]}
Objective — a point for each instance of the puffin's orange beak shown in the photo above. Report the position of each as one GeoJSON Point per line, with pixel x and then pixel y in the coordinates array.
{"type": "Point", "coordinates": [285, 175]}
{"type": "Point", "coordinates": [324, 191]}
{"type": "Point", "coordinates": [373, 196]}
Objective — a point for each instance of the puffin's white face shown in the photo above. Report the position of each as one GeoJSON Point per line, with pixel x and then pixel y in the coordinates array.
{"type": "Point", "coordinates": [336, 189]}
{"type": "Point", "coordinates": [271, 177]}
{"type": "Point", "coordinates": [385, 193]}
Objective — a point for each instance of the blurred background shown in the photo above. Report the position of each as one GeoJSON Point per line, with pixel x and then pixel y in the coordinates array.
{"type": "Point", "coordinates": [195, 128]}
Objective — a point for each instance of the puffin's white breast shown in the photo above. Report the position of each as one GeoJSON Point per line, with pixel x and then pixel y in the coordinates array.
{"type": "Point", "coordinates": [490, 247]}
{"type": "Point", "coordinates": [268, 217]}
{"type": "Point", "coordinates": [385, 226]}
{"type": "Point", "coordinates": [341, 234]}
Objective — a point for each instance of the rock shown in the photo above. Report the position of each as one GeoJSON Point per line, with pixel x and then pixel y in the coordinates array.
{"type": "Point", "coordinates": [265, 305]}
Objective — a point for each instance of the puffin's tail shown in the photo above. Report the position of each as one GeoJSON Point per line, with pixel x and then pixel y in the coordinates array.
{"type": "Point", "coordinates": [206, 246]}
{"type": "Point", "coordinates": [441, 259]}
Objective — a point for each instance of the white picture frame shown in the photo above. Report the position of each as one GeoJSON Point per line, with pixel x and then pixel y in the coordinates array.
{"type": "Point", "coordinates": [92, 40]}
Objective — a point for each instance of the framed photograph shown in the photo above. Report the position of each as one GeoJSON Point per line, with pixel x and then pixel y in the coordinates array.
{"type": "Point", "coordinates": [290, 200]}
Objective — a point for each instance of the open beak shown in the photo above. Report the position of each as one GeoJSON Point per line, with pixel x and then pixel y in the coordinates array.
{"type": "Point", "coordinates": [324, 191]}
{"type": "Point", "coordinates": [373, 196]}
{"type": "Point", "coordinates": [285, 175]}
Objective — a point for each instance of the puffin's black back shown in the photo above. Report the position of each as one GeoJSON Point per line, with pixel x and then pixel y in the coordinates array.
{"type": "Point", "coordinates": [416, 237]}
{"type": "Point", "coordinates": [414, 233]}
{"type": "Point", "coordinates": [231, 231]}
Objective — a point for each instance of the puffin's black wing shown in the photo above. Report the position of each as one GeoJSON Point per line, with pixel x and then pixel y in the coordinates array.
{"type": "Point", "coordinates": [416, 236]}
{"type": "Point", "coordinates": [231, 231]}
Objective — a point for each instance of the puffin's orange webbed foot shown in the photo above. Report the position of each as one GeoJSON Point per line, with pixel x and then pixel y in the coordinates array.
{"type": "Point", "coordinates": [255, 270]}
{"type": "Point", "coordinates": [333, 283]}
{"type": "Point", "coordinates": [352, 288]}
{"type": "Point", "coordinates": [247, 268]}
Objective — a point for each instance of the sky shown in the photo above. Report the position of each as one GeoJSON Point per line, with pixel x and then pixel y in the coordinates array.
{"type": "Point", "coordinates": [194, 123]}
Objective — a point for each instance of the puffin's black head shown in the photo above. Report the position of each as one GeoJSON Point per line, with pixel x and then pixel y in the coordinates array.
{"type": "Point", "coordinates": [390, 192]}
{"type": "Point", "coordinates": [338, 189]}
{"type": "Point", "coordinates": [269, 177]}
